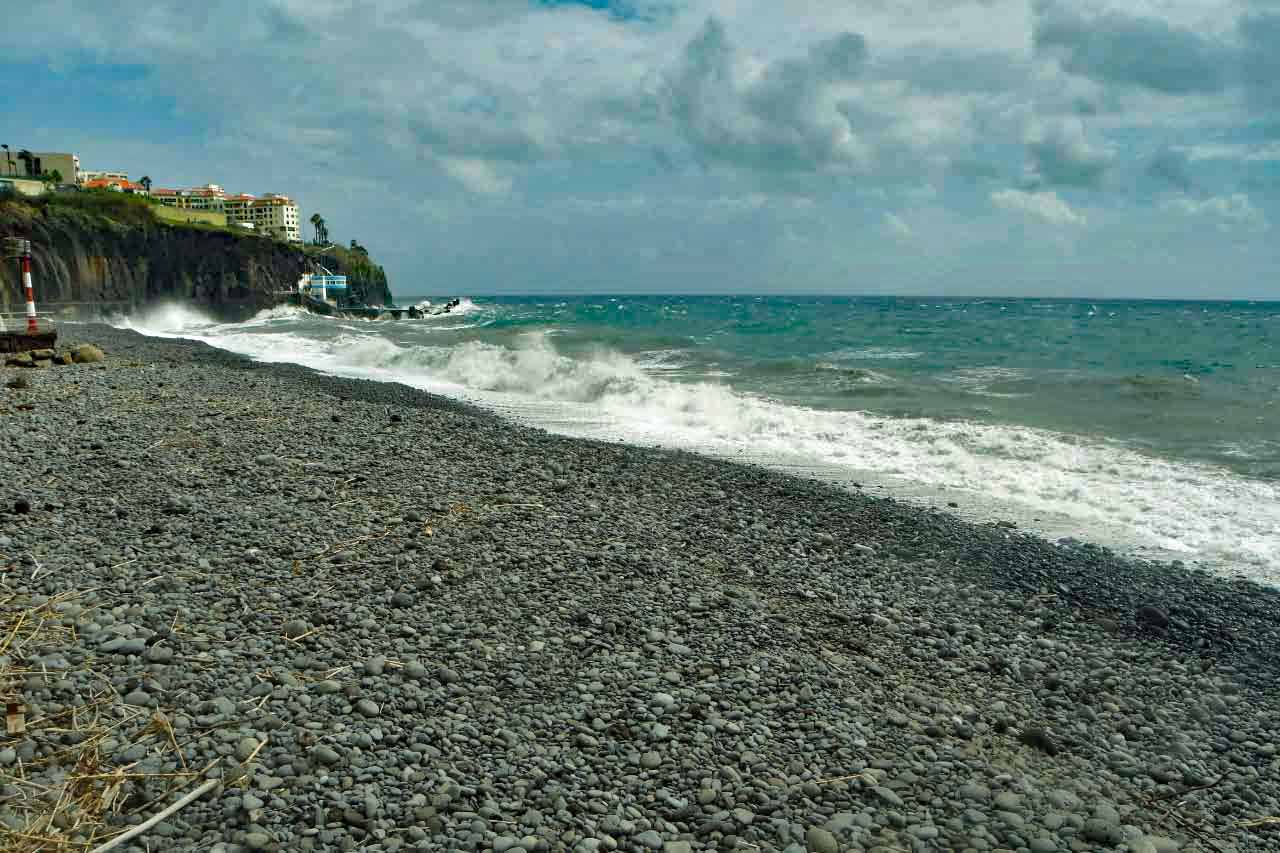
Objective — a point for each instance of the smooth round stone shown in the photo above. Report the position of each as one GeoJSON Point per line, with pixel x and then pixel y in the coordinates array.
{"type": "Point", "coordinates": [649, 839]}
{"type": "Point", "coordinates": [819, 840]}
{"type": "Point", "coordinates": [1007, 801]}
{"type": "Point", "coordinates": [326, 755]}
{"type": "Point", "coordinates": [245, 748]}
{"type": "Point", "coordinates": [257, 840]}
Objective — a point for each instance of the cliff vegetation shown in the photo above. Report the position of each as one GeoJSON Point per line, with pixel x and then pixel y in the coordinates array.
{"type": "Point", "coordinates": [111, 250]}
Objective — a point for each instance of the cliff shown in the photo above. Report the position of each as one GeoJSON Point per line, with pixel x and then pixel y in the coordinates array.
{"type": "Point", "coordinates": [110, 250]}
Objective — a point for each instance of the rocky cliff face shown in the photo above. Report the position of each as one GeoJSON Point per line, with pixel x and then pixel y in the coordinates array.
{"type": "Point", "coordinates": [113, 252]}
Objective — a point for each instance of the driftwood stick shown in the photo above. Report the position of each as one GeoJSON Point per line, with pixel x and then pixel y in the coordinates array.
{"type": "Point", "coordinates": [156, 818]}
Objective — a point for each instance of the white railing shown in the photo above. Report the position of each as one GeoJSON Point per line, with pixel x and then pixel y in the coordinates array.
{"type": "Point", "coordinates": [16, 322]}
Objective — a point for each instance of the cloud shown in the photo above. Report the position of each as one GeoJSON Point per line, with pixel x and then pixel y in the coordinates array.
{"type": "Point", "coordinates": [1042, 206]}
{"type": "Point", "coordinates": [1140, 51]}
{"type": "Point", "coordinates": [938, 70]}
{"type": "Point", "coordinates": [782, 116]}
{"type": "Point", "coordinates": [1259, 36]}
{"type": "Point", "coordinates": [1061, 155]}
{"type": "Point", "coordinates": [1241, 151]}
{"type": "Point", "coordinates": [570, 130]}
{"type": "Point", "coordinates": [1226, 212]}
{"type": "Point", "coordinates": [479, 176]}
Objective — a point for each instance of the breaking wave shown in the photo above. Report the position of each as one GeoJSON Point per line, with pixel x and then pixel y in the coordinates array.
{"type": "Point", "coordinates": [1093, 488]}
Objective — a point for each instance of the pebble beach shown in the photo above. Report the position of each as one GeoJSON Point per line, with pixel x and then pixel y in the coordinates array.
{"type": "Point", "coordinates": [356, 616]}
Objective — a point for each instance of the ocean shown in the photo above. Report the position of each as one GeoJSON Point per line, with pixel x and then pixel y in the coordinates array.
{"type": "Point", "coordinates": [1152, 427]}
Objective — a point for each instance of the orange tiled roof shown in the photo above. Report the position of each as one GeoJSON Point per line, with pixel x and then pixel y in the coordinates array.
{"type": "Point", "coordinates": [104, 183]}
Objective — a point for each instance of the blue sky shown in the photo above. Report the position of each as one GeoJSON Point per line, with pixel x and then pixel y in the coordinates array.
{"type": "Point", "coordinates": [918, 146]}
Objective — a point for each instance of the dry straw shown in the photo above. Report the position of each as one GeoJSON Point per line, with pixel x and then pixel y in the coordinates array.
{"type": "Point", "coordinates": [68, 797]}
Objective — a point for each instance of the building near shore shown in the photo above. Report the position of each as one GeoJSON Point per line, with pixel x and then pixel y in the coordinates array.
{"type": "Point", "coordinates": [114, 185]}
{"type": "Point", "coordinates": [38, 164]}
{"type": "Point", "coordinates": [208, 197]}
{"type": "Point", "coordinates": [272, 214]}
{"type": "Point", "coordinates": [87, 175]}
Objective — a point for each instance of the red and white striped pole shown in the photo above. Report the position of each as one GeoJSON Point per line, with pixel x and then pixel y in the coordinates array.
{"type": "Point", "coordinates": [32, 327]}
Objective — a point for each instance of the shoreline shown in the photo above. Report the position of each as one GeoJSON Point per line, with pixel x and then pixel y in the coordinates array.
{"type": "Point", "coordinates": [1140, 498]}
{"type": "Point", "coordinates": [351, 592]}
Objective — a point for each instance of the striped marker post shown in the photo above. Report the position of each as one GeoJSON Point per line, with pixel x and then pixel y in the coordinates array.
{"type": "Point", "coordinates": [20, 249]}
{"type": "Point", "coordinates": [32, 326]}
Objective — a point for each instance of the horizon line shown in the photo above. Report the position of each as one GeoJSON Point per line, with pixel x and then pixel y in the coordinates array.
{"type": "Point", "coordinates": [654, 294]}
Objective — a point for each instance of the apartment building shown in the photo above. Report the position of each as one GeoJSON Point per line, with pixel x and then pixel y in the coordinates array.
{"type": "Point", "coordinates": [207, 198]}
{"type": "Point", "coordinates": [272, 214]}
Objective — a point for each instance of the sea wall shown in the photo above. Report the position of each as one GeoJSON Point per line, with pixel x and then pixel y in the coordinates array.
{"type": "Point", "coordinates": [114, 252]}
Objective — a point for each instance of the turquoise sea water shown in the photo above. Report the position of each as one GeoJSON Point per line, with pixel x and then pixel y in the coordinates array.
{"type": "Point", "coordinates": [1152, 426]}
{"type": "Point", "coordinates": [1192, 380]}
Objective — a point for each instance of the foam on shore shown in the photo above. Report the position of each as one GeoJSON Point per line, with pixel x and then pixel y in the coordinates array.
{"type": "Point", "coordinates": [1058, 484]}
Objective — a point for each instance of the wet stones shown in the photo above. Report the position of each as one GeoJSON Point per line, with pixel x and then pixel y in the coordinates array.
{"type": "Point", "coordinates": [819, 840]}
{"type": "Point", "coordinates": [1152, 617]}
{"type": "Point", "coordinates": [1040, 738]}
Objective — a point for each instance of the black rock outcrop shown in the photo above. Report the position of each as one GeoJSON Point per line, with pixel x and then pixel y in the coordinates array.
{"type": "Point", "coordinates": [99, 250]}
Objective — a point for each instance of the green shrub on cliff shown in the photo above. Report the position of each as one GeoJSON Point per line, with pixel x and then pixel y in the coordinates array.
{"type": "Point", "coordinates": [121, 209]}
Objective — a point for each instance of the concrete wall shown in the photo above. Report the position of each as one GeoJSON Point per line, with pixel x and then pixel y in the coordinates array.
{"type": "Point", "coordinates": [175, 214]}
{"type": "Point", "coordinates": [23, 186]}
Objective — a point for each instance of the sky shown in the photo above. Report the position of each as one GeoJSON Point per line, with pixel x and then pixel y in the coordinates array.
{"type": "Point", "coordinates": [942, 147]}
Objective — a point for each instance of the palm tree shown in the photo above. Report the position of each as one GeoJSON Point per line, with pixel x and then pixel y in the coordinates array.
{"type": "Point", "coordinates": [8, 159]}
{"type": "Point", "coordinates": [322, 233]}
{"type": "Point", "coordinates": [146, 182]}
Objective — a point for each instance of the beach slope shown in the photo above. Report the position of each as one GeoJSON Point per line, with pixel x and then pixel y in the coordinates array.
{"type": "Point", "coordinates": [379, 620]}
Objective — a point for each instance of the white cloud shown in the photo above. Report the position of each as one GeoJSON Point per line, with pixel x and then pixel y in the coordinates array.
{"type": "Point", "coordinates": [665, 131]}
{"type": "Point", "coordinates": [781, 116]}
{"type": "Point", "coordinates": [1044, 206]}
{"type": "Point", "coordinates": [1265, 152]}
{"type": "Point", "coordinates": [478, 176]}
{"type": "Point", "coordinates": [1227, 211]}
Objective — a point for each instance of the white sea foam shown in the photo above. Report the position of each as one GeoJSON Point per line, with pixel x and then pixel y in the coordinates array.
{"type": "Point", "coordinates": [1104, 492]}
{"type": "Point", "coordinates": [978, 380]}
{"type": "Point", "coordinates": [873, 354]}
{"type": "Point", "coordinates": [167, 320]}
{"type": "Point", "coordinates": [465, 306]}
